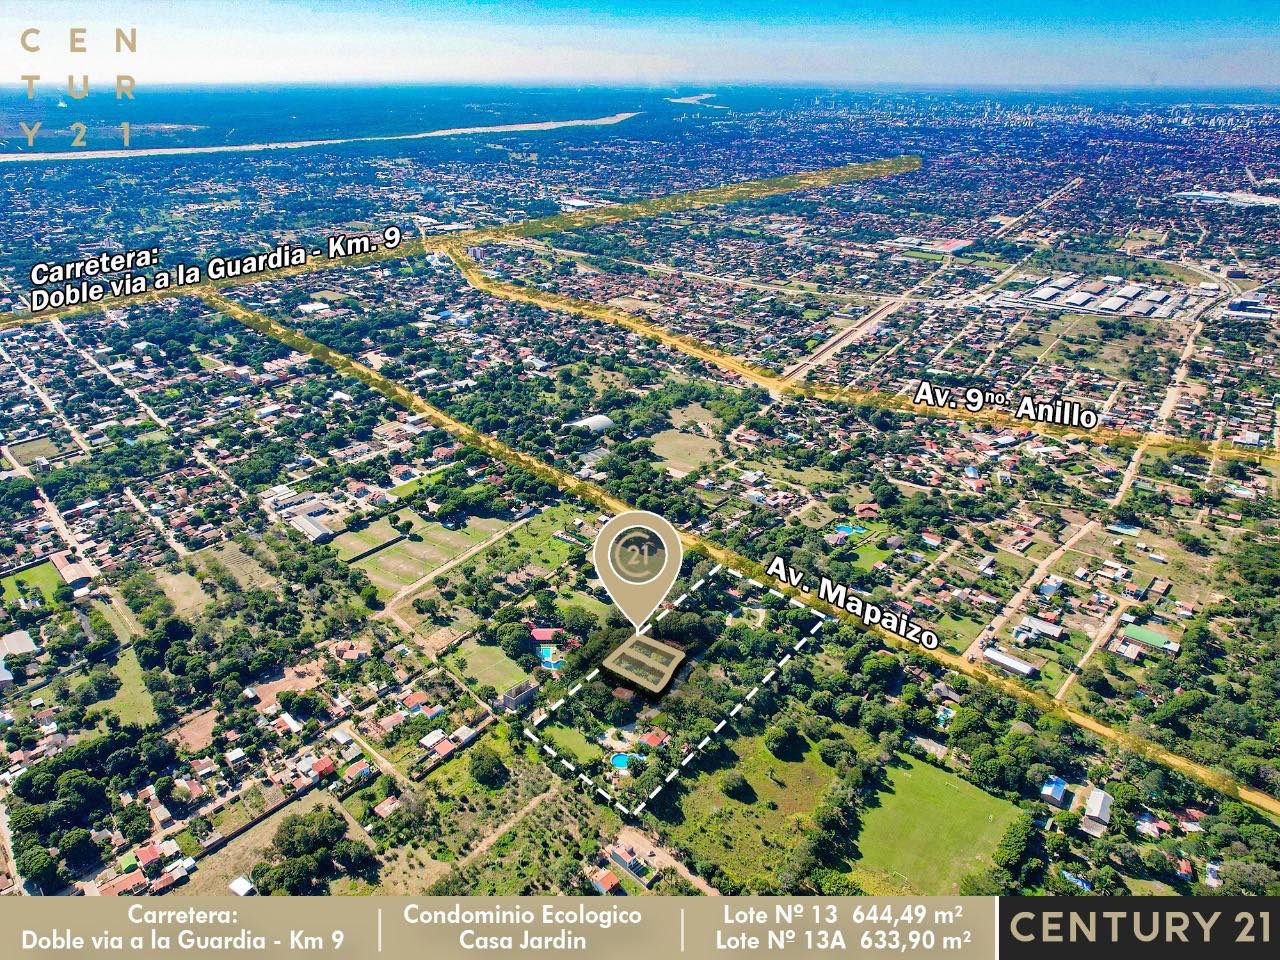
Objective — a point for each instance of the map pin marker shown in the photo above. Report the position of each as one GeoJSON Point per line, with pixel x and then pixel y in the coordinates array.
{"type": "Point", "coordinates": [637, 557]}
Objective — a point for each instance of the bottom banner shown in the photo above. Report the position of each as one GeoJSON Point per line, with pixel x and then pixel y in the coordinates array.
{"type": "Point", "coordinates": [640, 929]}
{"type": "Point", "coordinates": [510, 927]}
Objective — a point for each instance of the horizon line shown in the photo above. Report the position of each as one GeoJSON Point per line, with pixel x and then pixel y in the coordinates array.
{"type": "Point", "coordinates": [762, 84]}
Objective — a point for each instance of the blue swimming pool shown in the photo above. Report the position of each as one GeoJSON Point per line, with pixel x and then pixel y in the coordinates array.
{"type": "Point", "coordinates": [849, 528]}
{"type": "Point", "coordinates": [620, 760]}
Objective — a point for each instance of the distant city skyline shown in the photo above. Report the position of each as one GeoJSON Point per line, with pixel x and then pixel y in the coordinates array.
{"type": "Point", "coordinates": [1052, 43]}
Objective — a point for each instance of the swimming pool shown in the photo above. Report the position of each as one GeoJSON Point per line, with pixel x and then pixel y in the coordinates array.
{"type": "Point", "coordinates": [550, 656]}
{"type": "Point", "coordinates": [848, 528]}
{"type": "Point", "coordinates": [620, 760]}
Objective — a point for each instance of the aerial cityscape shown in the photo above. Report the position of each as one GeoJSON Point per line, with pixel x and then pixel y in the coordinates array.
{"type": "Point", "coordinates": [961, 402]}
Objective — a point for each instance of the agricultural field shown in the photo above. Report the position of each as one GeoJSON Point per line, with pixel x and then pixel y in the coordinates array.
{"type": "Point", "coordinates": [544, 854]}
{"type": "Point", "coordinates": [428, 547]}
{"type": "Point", "coordinates": [533, 544]}
{"type": "Point", "coordinates": [930, 829]}
{"type": "Point", "coordinates": [529, 548]}
{"type": "Point", "coordinates": [352, 543]}
{"type": "Point", "coordinates": [248, 572]}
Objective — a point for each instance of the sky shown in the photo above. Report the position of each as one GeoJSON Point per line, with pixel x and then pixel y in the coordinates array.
{"type": "Point", "coordinates": [841, 43]}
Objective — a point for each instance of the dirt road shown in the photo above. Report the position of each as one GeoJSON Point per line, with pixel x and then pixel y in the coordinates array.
{"type": "Point", "coordinates": [662, 858]}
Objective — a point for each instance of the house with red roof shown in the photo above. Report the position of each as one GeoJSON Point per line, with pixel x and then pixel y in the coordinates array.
{"type": "Point", "coordinates": [606, 882]}
{"type": "Point", "coordinates": [391, 721]}
{"type": "Point", "coordinates": [655, 738]}
{"type": "Point", "coordinates": [204, 767]}
{"type": "Point", "coordinates": [357, 770]}
{"type": "Point", "coordinates": [324, 767]}
{"type": "Point", "coordinates": [124, 885]}
{"type": "Point", "coordinates": [414, 701]}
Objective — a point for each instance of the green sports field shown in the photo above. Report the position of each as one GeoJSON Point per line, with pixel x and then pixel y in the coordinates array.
{"type": "Point", "coordinates": [930, 829]}
{"type": "Point", "coordinates": [486, 665]}
{"type": "Point", "coordinates": [683, 452]}
{"type": "Point", "coordinates": [43, 577]}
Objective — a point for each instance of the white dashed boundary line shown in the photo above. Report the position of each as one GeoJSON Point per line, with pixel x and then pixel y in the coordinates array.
{"type": "Point", "coordinates": [706, 741]}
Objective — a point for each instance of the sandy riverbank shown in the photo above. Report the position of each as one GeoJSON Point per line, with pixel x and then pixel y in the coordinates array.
{"type": "Point", "coordinates": [300, 144]}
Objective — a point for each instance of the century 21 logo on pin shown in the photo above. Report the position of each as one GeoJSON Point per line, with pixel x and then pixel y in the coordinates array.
{"type": "Point", "coordinates": [32, 41]}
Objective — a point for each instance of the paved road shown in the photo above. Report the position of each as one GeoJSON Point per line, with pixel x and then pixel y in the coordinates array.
{"type": "Point", "coordinates": [1048, 201]}
{"type": "Point", "coordinates": [156, 522]}
{"type": "Point", "coordinates": [50, 508]}
{"type": "Point", "coordinates": [136, 397]}
{"type": "Point", "coordinates": [1167, 407]}
{"type": "Point", "coordinates": [828, 349]}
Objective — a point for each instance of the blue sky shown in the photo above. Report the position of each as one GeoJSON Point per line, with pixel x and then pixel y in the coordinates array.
{"type": "Point", "coordinates": [854, 43]}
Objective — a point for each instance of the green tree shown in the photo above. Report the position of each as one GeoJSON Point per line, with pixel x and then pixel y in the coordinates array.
{"type": "Point", "coordinates": [78, 849]}
{"type": "Point", "coordinates": [734, 784]}
{"type": "Point", "coordinates": [487, 767]}
{"type": "Point", "coordinates": [41, 869]}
